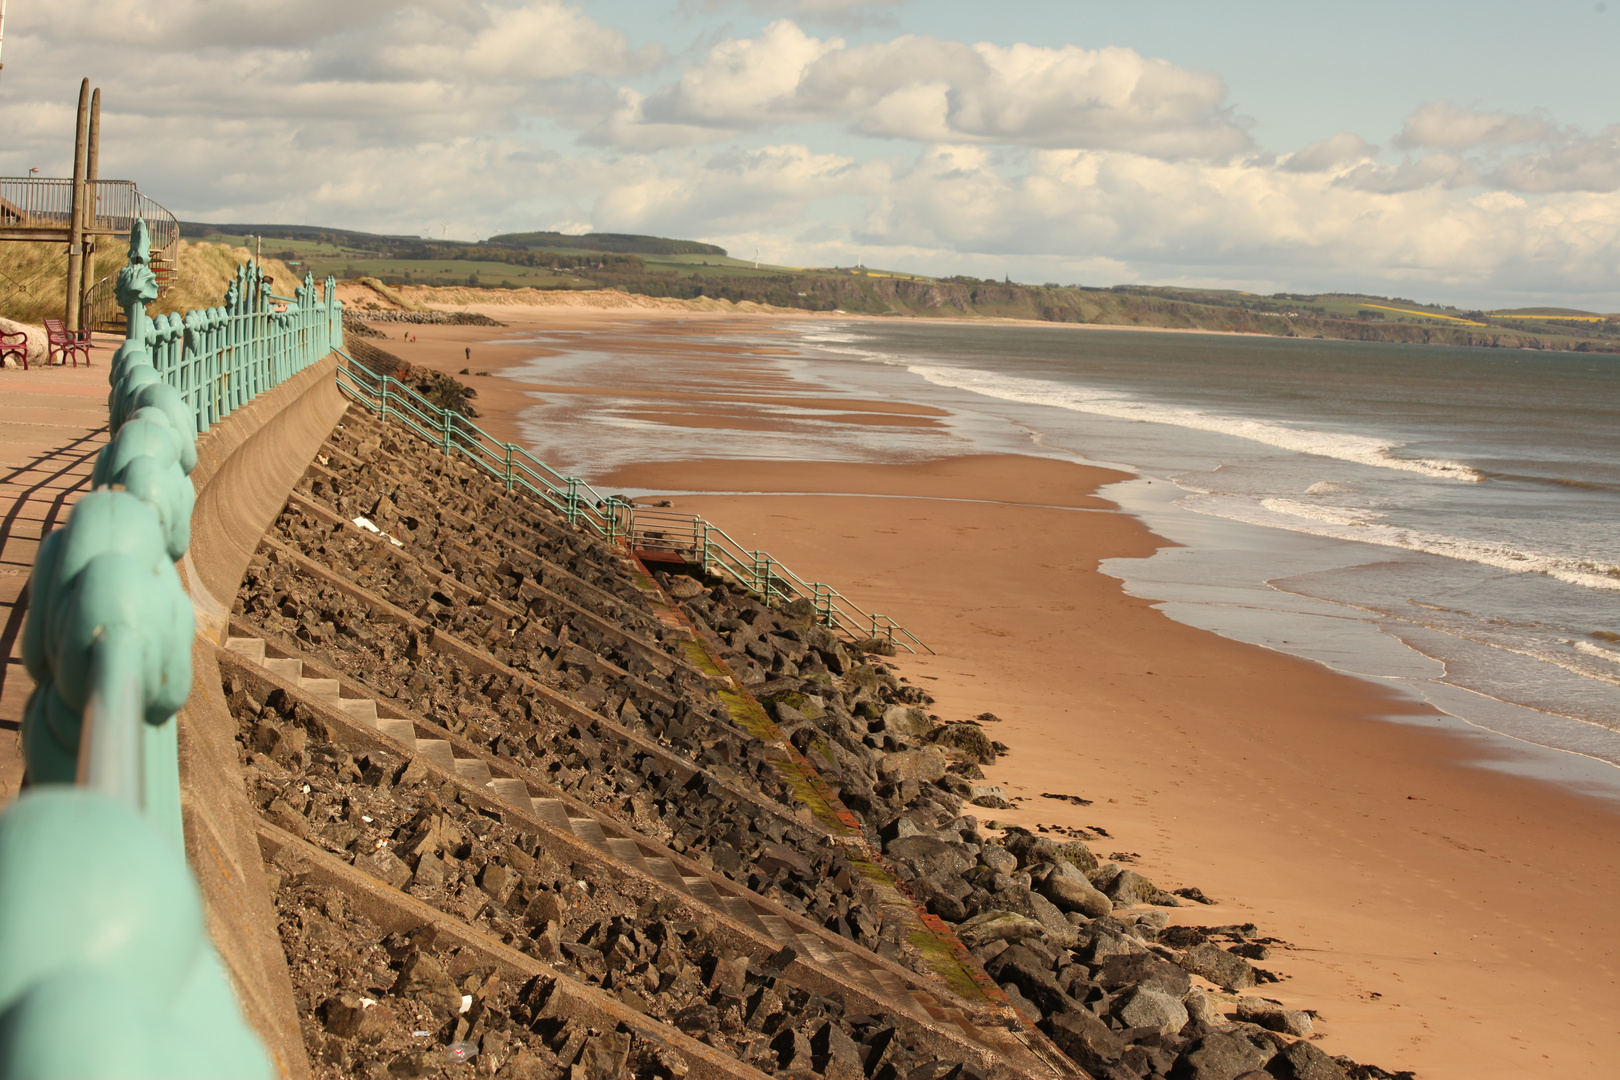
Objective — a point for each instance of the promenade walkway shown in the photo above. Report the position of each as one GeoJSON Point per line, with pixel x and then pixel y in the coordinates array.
{"type": "Point", "coordinates": [53, 422]}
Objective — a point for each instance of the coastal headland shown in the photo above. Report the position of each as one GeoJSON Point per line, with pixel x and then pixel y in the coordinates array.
{"type": "Point", "coordinates": [1441, 915]}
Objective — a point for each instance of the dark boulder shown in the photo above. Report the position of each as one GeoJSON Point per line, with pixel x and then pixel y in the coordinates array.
{"type": "Point", "coordinates": [1086, 1039]}
{"type": "Point", "coordinates": [1302, 1061]}
{"type": "Point", "coordinates": [1219, 966]}
{"type": "Point", "coordinates": [1223, 1055]}
{"type": "Point", "coordinates": [1143, 969]}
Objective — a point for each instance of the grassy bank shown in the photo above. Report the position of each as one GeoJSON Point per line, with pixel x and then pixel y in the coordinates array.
{"type": "Point", "coordinates": [33, 277]}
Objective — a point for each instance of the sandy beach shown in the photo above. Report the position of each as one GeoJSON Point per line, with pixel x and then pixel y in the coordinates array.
{"type": "Point", "coordinates": [1445, 918]}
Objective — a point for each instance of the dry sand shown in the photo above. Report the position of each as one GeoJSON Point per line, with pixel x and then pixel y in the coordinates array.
{"type": "Point", "coordinates": [1442, 917]}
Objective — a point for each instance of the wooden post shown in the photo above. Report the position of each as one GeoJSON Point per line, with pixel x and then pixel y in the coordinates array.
{"type": "Point", "coordinates": [91, 206]}
{"type": "Point", "coordinates": [75, 267]}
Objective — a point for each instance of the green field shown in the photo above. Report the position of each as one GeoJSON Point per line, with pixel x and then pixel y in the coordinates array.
{"type": "Point", "coordinates": [681, 269]}
{"type": "Point", "coordinates": [354, 255]}
{"type": "Point", "coordinates": [347, 262]}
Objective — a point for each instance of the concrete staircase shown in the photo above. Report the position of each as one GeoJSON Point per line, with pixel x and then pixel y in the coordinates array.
{"type": "Point", "coordinates": [850, 965]}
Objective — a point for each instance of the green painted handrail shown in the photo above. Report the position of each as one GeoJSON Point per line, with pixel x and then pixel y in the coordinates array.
{"type": "Point", "coordinates": [610, 517]}
{"type": "Point", "coordinates": [106, 969]}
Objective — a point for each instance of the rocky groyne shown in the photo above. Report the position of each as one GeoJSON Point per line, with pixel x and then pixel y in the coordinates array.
{"type": "Point", "coordinates": [532, 812]}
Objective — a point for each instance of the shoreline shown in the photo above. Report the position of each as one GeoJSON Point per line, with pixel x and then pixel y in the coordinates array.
{"type": "Point", "coordinates": [636, 302]}
{"type": "Point", "coordinates": [1361, 841]}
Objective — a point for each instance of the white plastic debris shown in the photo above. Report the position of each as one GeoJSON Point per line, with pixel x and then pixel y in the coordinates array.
{"type": "Point", "coordinates": [466, 1002]}
{"type": "Point", "coordinates": [370, 526]}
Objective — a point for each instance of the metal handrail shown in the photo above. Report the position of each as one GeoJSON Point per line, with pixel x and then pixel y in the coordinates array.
{"type": "Point", "coordinates": [610, 517]}
{"type": "Point", "coordinates": [109, 642]}
{"type": "Point", "coordinates": [112, 208]}
{"type": "Point", "coordinates": [708, 545]}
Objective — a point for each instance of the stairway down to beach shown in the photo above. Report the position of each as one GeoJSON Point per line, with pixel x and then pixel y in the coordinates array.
{"type": "Point", "coordinates": [516, 807]}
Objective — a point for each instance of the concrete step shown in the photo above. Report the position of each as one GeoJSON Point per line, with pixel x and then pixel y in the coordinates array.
{"type": "Point", "coordinates": [666, 872]}
{"type": "Point", "coordinates": [250, 647]}
{"type": "Point", "coordinates": [474, 771]}
{"type": "Point", "coordinates": [703, 890]}
{"type": "Point", "coordinates": [290, 670]}
{"type": "Point", "coordinates": [589, 831]}
{"type": "Point", "coordinates": [741, 910]}
{"type": "Point", "coordinates": [362, 709]}
{"type": "Point", "coordinates": [437, 751]}
{"type": "Point", "coordinates": [553, 812]}
{"type": "Point", "coordinates": [400, 730]}
{"type": "Point", "coordinates": [515, 792]}
{"type": "Point", "coordinates": [628, 851]}
{"type": "Point", "coordinates": [324, 689]}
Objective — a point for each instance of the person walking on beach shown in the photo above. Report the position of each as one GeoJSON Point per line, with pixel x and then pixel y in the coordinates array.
{"type": "Point", "coordinates": [469, 353]}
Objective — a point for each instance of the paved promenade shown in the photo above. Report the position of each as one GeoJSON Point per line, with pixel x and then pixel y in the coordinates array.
{"type": "Point", "coordinates": [53, 422]}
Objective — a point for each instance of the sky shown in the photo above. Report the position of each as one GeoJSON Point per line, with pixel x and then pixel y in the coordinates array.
{"type": "Point", "coordinates": [1465, 154]}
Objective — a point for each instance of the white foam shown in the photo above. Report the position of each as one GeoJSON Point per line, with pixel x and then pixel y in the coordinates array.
{"type": "Point", "coordinates": [1333, 515]}
{"type": "Point", "coordinates": [1347, 524]}
{"type": "Point", "coordinates": [1598, 651]}
{"type": "Point", "coordinates": [1361, 449]}
{"type": "Point", "coordinates": [828, 336]}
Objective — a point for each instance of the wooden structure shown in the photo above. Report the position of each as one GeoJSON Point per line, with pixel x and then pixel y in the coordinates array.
{"type": "Point", "coordinates": [81, 210]}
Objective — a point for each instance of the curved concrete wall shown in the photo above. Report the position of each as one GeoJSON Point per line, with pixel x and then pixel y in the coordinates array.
{"type": "Point", "coordinates": [247, 465]}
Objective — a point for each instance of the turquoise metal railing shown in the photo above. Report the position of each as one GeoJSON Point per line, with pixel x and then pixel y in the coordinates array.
{"type": "Point", "coordinates": [106, 969]}
{"type": "Point", "coordinates": [221, 358]}
{"type": "Point", "coordinates": [616, 520]}
{"type": "Point", "coordinates": [705, 544]}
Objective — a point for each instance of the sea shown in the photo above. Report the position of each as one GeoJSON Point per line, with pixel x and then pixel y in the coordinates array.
{"type": "Point", "coordinates": [1440, 520]}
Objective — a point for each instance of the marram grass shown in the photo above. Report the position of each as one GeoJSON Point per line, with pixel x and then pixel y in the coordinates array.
{"type": "Point", "coordinates": [33, 277]}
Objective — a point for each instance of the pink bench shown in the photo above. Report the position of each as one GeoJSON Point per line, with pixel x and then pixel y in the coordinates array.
{"type": "Point", "coordinates": [63, 342]}
{"type": "Point", "coordinates": [14, 345]}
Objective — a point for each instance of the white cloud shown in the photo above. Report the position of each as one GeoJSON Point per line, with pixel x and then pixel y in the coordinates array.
{"type": "Point", "coordinates": [1582, 163]}
{"type": "Point", "coordinates": [817, 9]}
{"type": "Point", "coordinates": [1431, 170]}
{"type": "Point", "coordinates": [732, 191]}
{"type": "Point", "coordinates": [1189, 219]}
{"type": "Point", "coordinates": [1441, 125]}
{"type": "Point", "coordinates": [1049, 163]}
{"type": "Point", "coordinates": [1331, 153]}
{"type": "Point", "coordinates": [1522, 152]}
{"type": "Point", "coordinates": [928, 90]}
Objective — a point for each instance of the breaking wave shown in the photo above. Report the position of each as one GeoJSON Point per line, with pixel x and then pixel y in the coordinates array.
{"type": "Point", "coordinates": [1361, 449]}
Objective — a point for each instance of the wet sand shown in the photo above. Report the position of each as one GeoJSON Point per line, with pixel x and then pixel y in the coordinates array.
{"type": "Point", "coordinates": [1442, 917]}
